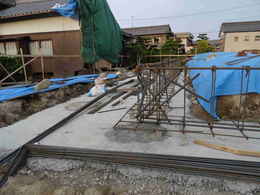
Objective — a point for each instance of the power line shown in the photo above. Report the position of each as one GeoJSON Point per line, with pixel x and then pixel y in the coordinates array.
{"type": "Point", "coordinates": [217, 31]}
{"type": "Point", "coordinates": [197, 13]}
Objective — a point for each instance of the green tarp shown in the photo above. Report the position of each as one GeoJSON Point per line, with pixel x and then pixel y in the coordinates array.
{"type": "Point", "coordinates": [101, 34]}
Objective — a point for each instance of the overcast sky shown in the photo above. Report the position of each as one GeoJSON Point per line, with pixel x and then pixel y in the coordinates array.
{"type": "Point", "coordinates": [193, 16]}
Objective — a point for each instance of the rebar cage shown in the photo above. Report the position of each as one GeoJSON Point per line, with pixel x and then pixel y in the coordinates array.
{"type": "Point", "coordinates": [165, 99]}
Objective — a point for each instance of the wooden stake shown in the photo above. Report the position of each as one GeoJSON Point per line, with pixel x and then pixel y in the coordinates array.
{"type": "Point", "coordinates": [24, 68]}
{"type": "Point", "coordinates": [43, 71]}
{"type": "Point", "coordinates": [227, 149]}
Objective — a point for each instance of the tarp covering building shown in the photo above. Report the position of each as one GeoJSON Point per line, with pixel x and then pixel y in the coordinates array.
{"type": "Point", "coordinates": [228, 82]}
{"type": "Point", "coordinates": [101, 34]}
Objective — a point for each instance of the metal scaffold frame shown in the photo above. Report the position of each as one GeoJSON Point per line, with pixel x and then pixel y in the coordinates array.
{"type": "Point", "coordinates": [160, 83]}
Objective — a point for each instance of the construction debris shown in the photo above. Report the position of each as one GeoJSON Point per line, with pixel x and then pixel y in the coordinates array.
{"type": "Point", "coordinates": [23, 107]}
{"type": "Point", "coordinates": [44, 84]}
{"type": "Point", "coordinates": [100, 86]}
{"type": "Point", "coordinates": [227, 149]}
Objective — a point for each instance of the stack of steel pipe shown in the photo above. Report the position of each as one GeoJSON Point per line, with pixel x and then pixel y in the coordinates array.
{"type": "Point", "coordinates": [203, 166]}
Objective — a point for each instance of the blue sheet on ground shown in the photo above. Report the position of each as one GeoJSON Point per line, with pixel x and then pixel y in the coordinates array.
{"type": "Point", "coordinates": [70, 9]}
{"type": "Point", "coordinates": [228, 82]}
{"type": "Point", "coordinates": [15, 92]}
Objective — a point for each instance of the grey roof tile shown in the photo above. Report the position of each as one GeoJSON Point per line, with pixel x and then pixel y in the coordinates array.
{"type": "Point", "coordinates": [149, 30]}
{"type": "Point", "coordinates": [29, 8]}
{"type": "Point", "coordinates": [7, 3]}
{"type": "Point", "coordinates": [251, 26]}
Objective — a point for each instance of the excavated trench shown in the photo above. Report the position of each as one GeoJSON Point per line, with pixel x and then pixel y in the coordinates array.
{"type": "Point", "coordinates": [20, 108]}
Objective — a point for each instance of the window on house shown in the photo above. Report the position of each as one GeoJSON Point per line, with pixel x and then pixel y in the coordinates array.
{"type": "Point", "coordinates": [246, 38]}
{"type": "Point", "coordinates": [257, 37]}
{"type": "Point", "coordinates": [236, 39]}
{"type": "Point", "coordinates": [156, 40]}
{"type": "Point", "coordinates": [2, 48]}
{"type": "Point", "coordinates": [8, 48]}
{"type": "Point", "coordinates": [41, 48]}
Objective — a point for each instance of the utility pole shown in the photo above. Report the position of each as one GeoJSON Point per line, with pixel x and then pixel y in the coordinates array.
{"type": "Point", "coordinates": [132, 21]}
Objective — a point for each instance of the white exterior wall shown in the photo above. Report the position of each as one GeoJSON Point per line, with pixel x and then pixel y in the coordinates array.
{"type": "Point", "coordinates": [49, 24]}
{"type": "Point", "coordinates": [184, 41]}
{"type": "Point", "coordinates": [230, 45]}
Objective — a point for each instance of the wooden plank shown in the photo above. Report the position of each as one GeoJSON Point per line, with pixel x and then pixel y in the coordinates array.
{"type": "Point", "coordinates": [130, 93]}
{"type": "Point", "coordinates": [43, 69]}
{"type": "Point", "coordinates": [129, 89]}
{"type": "Point", "coordinates": [227, 149]}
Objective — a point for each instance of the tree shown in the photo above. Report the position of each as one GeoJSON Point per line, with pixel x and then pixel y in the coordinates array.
{"type": "Point", "coordinates": [203, 46]}
{"type": "Point", "coordinates": [171, 47]}
{"type": "Point", "coordinates": [203, 36]}
{"type": "Point", "coordinates": [137, 51]}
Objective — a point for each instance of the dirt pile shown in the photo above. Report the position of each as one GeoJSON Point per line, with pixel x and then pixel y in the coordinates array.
{"type": "Point", "coordinates": [15, 110]}
{"type": "Point", "coordinates": [232, 107]}
{"type": "Point", "coordinates": [236, 107]}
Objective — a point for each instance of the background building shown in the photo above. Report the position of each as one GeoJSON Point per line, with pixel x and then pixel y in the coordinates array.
{"type": "Point", "coordinates": [238, 36]}
{"type": "Point", "coordinates": [36, 29]}
{"type": "Point", "coordinates": [186, 39]}
{"type": "Point", "coordinates": [216, 44]}
{"type": "Point", "coordinates": [155, 36]}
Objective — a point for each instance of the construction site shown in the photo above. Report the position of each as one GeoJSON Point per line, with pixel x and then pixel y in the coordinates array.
{"type": "Point", "coordinates": [184, 124]}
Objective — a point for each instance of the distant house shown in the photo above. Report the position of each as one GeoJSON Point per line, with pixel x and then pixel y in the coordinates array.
{"type": "Point", "coordinates": [155, 36]}
{"type": "Point", "coordinates": [35, 28]}
{"type": "Point", "coordinates": [186, 40]}
{"type": "Point", "coordinates": [238, 36]}
{"type": "Point", "coordinates": [216, 44]}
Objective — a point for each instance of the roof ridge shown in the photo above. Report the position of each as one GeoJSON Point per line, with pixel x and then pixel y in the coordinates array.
{"type": "Point", "coordinates": [183, 32]}
{"type": "Point", "coordinates": [168, 25]}
{"type": "Point", "coordinates": [241, 22]}
{"type": "Point", "coordinates": [29, 2]}
{"type": "Point", "coordinates": [30, 8]}
{"type": "Point", "coordinates": [39, 1]}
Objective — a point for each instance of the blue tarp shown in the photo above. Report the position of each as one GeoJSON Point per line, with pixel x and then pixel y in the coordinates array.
{"type": "Point", "coordinates": [15, 92]}
{"type": "Point", "coordinates": [228, 82]}
{"type": "Point", "coordinates": [70, 9]}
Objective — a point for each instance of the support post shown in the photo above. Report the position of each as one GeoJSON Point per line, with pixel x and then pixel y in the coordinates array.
{"type": "Point", "coordinates": [24, 68]}
{"type": "Point", "coordinates": [43, 68]}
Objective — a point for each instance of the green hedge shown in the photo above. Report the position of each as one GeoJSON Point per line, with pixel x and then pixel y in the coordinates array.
{"type": "Point", "coordinates": [11, 64]}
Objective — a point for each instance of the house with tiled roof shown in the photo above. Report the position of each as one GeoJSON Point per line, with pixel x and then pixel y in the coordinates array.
{"type": "Point", "coordinates": [186, 39]}
{"type": "Point", "coordinates": [238, 36]}
{"type": "Point", "coordinates": [35, 28]}
{"type": "Point", "coordinates": [154, 36]}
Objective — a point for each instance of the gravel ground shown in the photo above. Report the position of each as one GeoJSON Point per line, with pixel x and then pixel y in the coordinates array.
{"type": "Point", "coordinates": [134, 180]}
